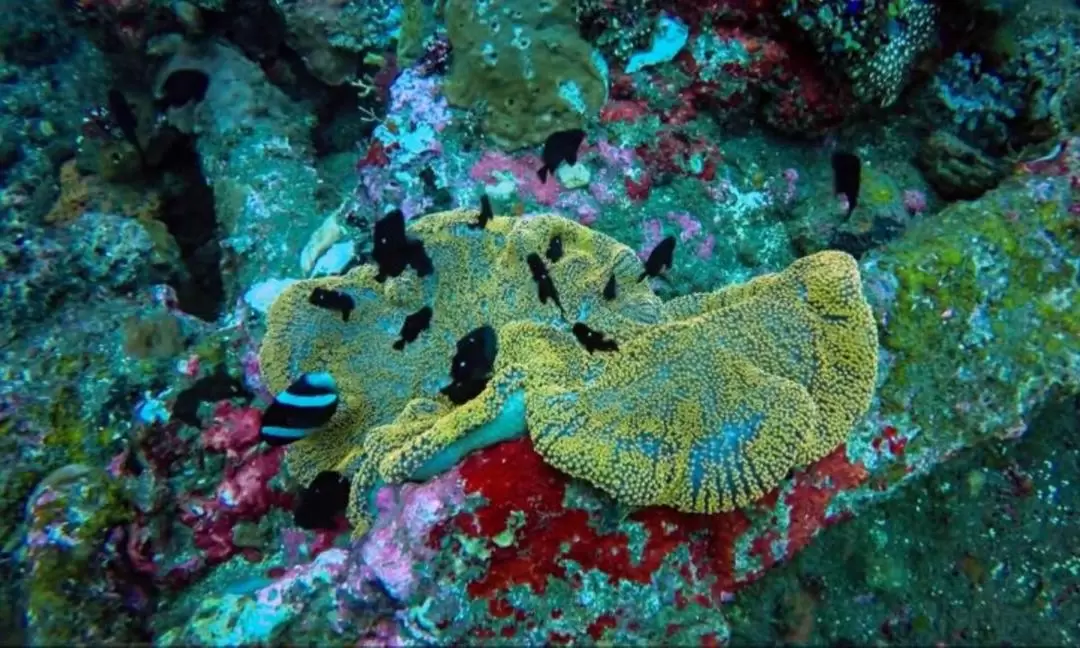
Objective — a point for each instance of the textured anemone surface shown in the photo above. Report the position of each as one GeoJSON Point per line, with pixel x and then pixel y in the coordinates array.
{"type": "Point", "coordinates": [709, 401]}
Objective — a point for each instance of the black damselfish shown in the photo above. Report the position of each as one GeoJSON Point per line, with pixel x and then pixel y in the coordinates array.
{"type": "Point", "coordinates": [561, 146]}
{"type": "Point", "coordinates": [183, 86]}
{"type": "Point", "coordinates": [545, 287]}
{"type": "Point", "coordinates": [305, 406]}
{"type": "Point", "coordinates": [847, 176]}
{"type": "Point", "coordinates": [322, 502]}
{"type": "Point", "coordinates": [555, 249]}
{"type": "Point", "coordinates": [394, 251]}
{"type": "Point", "coordinates": [472, 365]}
{"type": "Point", "coordinates": [415, 324]}
{"type": "Point", "coordinates": [333, 300]}
{"type": "Point", "coordinates": [486, 214]}
{"type": "Point", "coordinates": [610, 289]}
{"type": "Point", "coordinates": [593, 340]}
{"type": "Point", "coordinates": [219, 385]}
{"type": "Point", "coordinates": [125, 119]}
{"type": "Point", "coordinates": [659, 259]}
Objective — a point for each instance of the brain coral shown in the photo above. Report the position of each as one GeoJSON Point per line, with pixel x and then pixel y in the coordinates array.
{"type": "Point", "coordinates": [710, 400]}
{"type": "Point", "coordinates": [526, 65]}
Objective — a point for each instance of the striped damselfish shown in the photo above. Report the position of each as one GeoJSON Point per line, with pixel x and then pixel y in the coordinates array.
{"type": "Point", "coordinates": [305, 406]}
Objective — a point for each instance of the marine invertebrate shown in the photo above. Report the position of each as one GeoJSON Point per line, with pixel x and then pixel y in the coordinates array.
{"type": "Point", "coordinates": [733, 388]}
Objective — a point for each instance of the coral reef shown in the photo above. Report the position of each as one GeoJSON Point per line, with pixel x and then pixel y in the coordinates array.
{"type": "Point", "coordinates": [113, 252]}
{"type": "Point", "coordinates": [529, 544]}
{"type": "Point", "coordinates": [798, 365]}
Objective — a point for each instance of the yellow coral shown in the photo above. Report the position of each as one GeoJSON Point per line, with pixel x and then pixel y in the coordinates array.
{"type": "Point", "coordinates": [809, 324]}
{"type": "Point", "coordinates": [526, 64]}
{"type": "Point", "coordinates": [74, 195]}
{"type": "Point", "coordinates": [710, 410]}
{"type": "Point", "coordinates": [82, 192]}
{"type": "Point", "coordinates": [481, 277]}
{"type": "Point", "coordinates": [709, 402]}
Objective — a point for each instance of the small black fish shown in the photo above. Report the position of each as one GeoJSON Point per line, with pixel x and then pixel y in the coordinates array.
{"type": "Point", "coordinates": [659, 259]}
{"type": "Point", "coordinates": [593, 340]}
{"type": "Point", "coordinates": [485, 213]}
{"type": "Point", "coordinates": [418, 258]}
{"type": "Point", "coordinates": [472, 364]}
{"type": "Point", "coordinates": [333, 300]}
{"type": "Point", "coordinates": [394, 251]}
{"type": "Point", "coordinates": [847, 172]}
{"type": "Point", "coordinates": [544, 285]}
{"type": "Point", "coordinates": [320, 504]}
{"type": "Point", "coordinates": [430, 180]}
{"type": "Point", "coordinates": [555, 249]}
{"type": "Point", "coordinates": [304, 406]}
{"type": "Point", "coordinates": [208, 389]}
{"type": "Point", "coordinates": [182, 87]}
{"type": "Point", "coordinates": [561, 146]}
{"type": "Point", "coordinates": [610, 288]}
{"type": "Point", "coordinates": [414, 324]}
{"type": "Point", "coordinates": [124, 116]}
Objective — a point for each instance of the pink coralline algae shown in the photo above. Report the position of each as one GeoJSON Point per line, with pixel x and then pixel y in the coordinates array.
{"type": "Point", "coordinates": [690, 229]}
{"type": "Point", "coordinates": [405, 141]}
{"type": "Point", "coordinates": [914, 201]}
{"type": "Point", "coordinates": [296, 581]}
{"type": "Point", "coordinates": [244, 494]}
{"type": "Point", "coordinates": [704, 249]}
{"type": "Point", "coordinates": [397, 543]}
{"type": "Point", "coordinates": [495, 167]}
{"type": "Point", "coordinates": [232, 430]}
{"type": "Point", "coordinates": [689, 226]}
{"type": "Point", "coordinates": [362, 585]}
{"type": "Point", "coordinates": [652, 233]}
{"type": "Point", "coordinates": [420, 98]}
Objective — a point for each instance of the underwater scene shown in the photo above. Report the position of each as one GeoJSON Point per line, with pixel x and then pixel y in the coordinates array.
{"type": "Point", "coordinates": [540, 322]}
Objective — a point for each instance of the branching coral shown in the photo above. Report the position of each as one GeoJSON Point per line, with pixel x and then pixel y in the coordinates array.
{"type": "Point", "coordinates": [710, 400]}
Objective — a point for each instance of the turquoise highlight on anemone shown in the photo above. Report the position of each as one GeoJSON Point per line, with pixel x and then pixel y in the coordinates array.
{"type": "Point", "coordinates": [509, 424]}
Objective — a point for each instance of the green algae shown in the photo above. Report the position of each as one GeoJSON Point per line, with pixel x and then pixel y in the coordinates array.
{"type": "Point", "coordinates": [69, 519]}
{"type": "Point", "coordinates": [985, 296]}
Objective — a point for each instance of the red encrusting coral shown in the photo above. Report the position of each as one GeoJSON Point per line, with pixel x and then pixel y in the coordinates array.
{"type": "Point", "coordinates": [514, 478]}
{"type": "Point", "coordinates": [244, 494]}
{"type": "Point", "coordinates": [525, 496]}
{"type": "Point", "coordinates": [233, 429]}
{"type": "Point", "coordinates": [813, 490]}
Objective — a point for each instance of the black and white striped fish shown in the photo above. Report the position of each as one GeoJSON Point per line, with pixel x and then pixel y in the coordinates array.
{"type": "Point", "coordinates": [305, 406]}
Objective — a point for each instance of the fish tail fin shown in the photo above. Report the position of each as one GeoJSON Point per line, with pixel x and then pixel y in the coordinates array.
{"type": "Point", "coordinates": [543, 173]}
{"type": "Point", "coordinates": [642, 276]}
{"type": "Point", "coordinates": [399, 345]}
{"type": "Point", "coordinates": [345, 314]}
